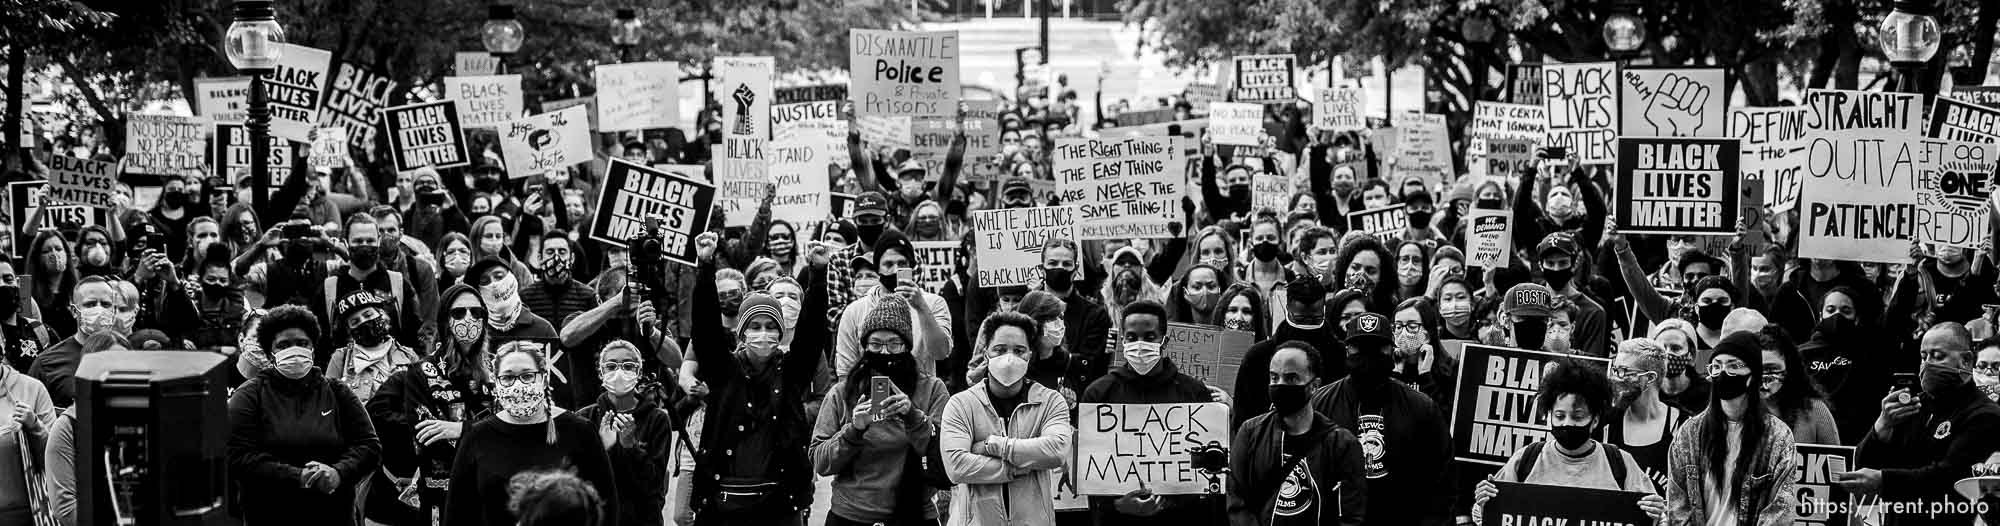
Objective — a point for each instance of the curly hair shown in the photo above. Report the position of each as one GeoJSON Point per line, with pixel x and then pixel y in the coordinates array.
{"type": "Point", "coordinates": [1384, 294]}
{"type": "Point", "coordinates": [1575, 377]}
{"type": "Point", "coordinates": [553, 498]}
{"type": "Point", "coordinates": [283, 317]}
{"type": "Point", "coordinates": [1260, 314]}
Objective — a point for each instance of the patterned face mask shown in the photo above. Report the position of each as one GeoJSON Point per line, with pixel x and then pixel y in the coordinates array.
{"type": "Point", "coordinates": [523, 399]}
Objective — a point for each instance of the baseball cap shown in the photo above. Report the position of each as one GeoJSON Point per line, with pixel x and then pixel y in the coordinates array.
{"type": "Point", "coordinates": [1563, 242]}
{"type": "Point", "coordinates": [912, 165]}
{"type": "Point", "coordinates": [1368, 328]}
{"type": "Point", "coordinates": [871, 203]}
{"type": "Point", "coordinates": [1529, 299]}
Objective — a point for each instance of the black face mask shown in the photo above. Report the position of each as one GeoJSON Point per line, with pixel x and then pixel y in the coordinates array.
{"type": "Point", "coordinates": [1420, 219]}
{"type": "Point", "coordinates": [1528, 333]}
{"type": "Point", "coordinates": [1730, 386]}
{"type": "Point", "coordinates": [1287, 399]}
{"type": "Point", "coordinates": [365, 256]}
{"type": "Point", "coordinates": [1712, 315]}
{"type": "Point", "coordinates": [1570, 437]}
{"type": "Point", "coordinates": [10, 300]}
{"type": "Point", "coordinates": [1370, 366]}
{"type": "Point", "coordinates": [1557, 279]}
{"type": "Point", "coordinates": [1239, 195]}
{"type": "Point", "coordinates": [486, 183]}
{"type": "Point", "coordinates": [1265, 252]}
{"type": "Point", "coordinates": [901, 368]}
{"type": "Point", "coordinates": [213, 291]}
{"type": "Point", "coordinates": [1490, 204]}
{"type": "Point", "coordinates": [1057, 278]}
{"type": "Point", "coordinates": [370, 333]}
{"type": "Point", "coordinates": [869, 233]}
{"type": "Point", "coordinates": [174, 200]}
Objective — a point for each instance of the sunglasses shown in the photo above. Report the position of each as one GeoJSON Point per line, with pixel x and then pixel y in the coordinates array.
{"type": "Point", "coordinates": [460, 313]}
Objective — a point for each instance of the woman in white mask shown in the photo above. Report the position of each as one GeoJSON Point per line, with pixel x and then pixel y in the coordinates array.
{"type": "Point", "coordinates": [422, 410]}
{"type": "Point", "coordinates": [527, 433]}
{"type": "Point", "coordinates": [500, 290]}
{"type": "Point", "coordinates": [1241, 308]}
{"type": "Point", "coordinates": [1421, 360]}
{"type": "Point", "coordinates": [1456, 306]}
{"type": "Point", "coordinates": [1001, 437]}
{"type": "Point", "coordinates": [454, 257]}
{"type": "Point", "coordinates": [1196, 296]}
{"type": "Point", "coordinates": [637, 435]}
{"type": "Point", "coordinates": [298, 443]}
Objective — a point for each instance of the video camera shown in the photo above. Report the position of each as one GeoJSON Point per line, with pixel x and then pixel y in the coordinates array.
{"type": "Point", "coordinates": [648, 273]}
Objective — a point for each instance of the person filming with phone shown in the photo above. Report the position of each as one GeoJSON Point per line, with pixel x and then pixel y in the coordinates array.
{"type": "Point", "coordinates": [896, 261]}
{"type": "Point", "coordinates": [876, 427]}
{"type": "Point", "coordinates": [1929, 435]}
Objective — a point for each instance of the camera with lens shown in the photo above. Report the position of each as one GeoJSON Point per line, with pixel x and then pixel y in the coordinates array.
{"type": "Point", "coordinates": [430, 195]}
{"type": "Point", "coordinates": [1212, 457]}
{"type": "Point", "coordinates": [146, 237]}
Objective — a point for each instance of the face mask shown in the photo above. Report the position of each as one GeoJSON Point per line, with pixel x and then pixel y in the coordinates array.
{"type": "Point", "coordinates": [1142, 356]}
{"type": "Point", "coordinates": [1369, 366]}
{"type": "Point", "coordinates": [783, 249]}
{"type": "Point", "coordinates": [1712, 315]}
{"type": "Point", "coordinates": [927, 226]}
{"type": "Point", "coordinates": [1455, 311]}
{"type": "Point", "coordinates": [1763, 279]}
{"type": "Point", "coordinates": [457, 262]}
{"type": "Point", "coordinates": [1265, 252]}
{"type": "Point", "coordinates": [1420, 219]}
{"type": "Point", "coordinates": [1529, 333]}
{"type": "Point", "coordinates": [1557, 279]}
{"type": "Point", "coordinates": [862, 286]}
{"type": "Point", "coordinates": [1054, 333]}
{"type": "Point", "coordinates": [1940, 380]}
{"type": "Point", "coordinates": [1202, 301]}
{"type": "Point", "coordinates": [1217, 262]}
{"type": "Point", "coordinates": [1324, 266]}
{"type": "Point", "coordinates": [364, 256]}
{"type": "Point", "coordinates": [556, 269]}
{"type": "Point", "coordinates": [56, 260]}
{"type": "Point", "coordinates": [1287, 399]}
{"type": "Point", "coordinates": [1057, 278]}
{"type": "Point", "coordinates": [1239, 194]}
{"type": "Point", "coordinates": [1570, 437]}
{"type": "Point", "coordinates": [503, 302]}
{"type": "Point", "coordinates": [790, 308]}
{"type": "Point", "coordinates": [1409, 344]}
{"type": "Point", "coordinates": [1489, 204]}
{"type": "Point", "coordinates": [1557, 340]}
{"type": "Point", "coordinates": [1561, 206]}
{"type": "Point", "coordinates": [1310, 319]}
{"type": "Point", "coordinates": [762, 341]}
{"type": "Point", "coordinates": [868, 233]}
{"type": "Point", "coordinates": [1623, 392]}
{"type": "Point", "coordinates": [93, 320]}
{"type": "Point", "coordinates": [1007, 369]}
{"type": "Point", "coordinates": [620, 381]}
{"type": "Point", "coordinates": [1359, 281]}
{"type": "Point", "coordinates": [370, 333]}
{"type": "Point", "coordinates": [1343, 187]}
{"type": "Point", "coordinates": [1730, 386]}
{"type": "Point", "coordinates": [293, 362]}
{"type": "Point", "coordinates": [1822, 276]}
{"type": "Point", "coordinates": [10, 300]}
{"type": "Point", "coordinates": [523, 400]}
{"type": "Point", "coordinates": [173, 200]}
{"type": "Point", "coordinates": [466, 330]}
{"type": "Point", "coordinates": [97, 256]}
{"type": "Point", "coordinates": [1410, 274]}
{"type": "Point", "coordinates": [901, 368]}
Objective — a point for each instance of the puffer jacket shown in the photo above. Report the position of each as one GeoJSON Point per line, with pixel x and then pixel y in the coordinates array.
{"type": "Point", "coordinates": [1770, 492]}
{"type": "Point", "coordinates": [1014, 489]}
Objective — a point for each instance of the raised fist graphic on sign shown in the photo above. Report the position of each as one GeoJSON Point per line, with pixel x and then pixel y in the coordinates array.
{"type": "Point", "coordinates": [744, 98]}
{"type": "Point", "coordinates": [1675, 107]}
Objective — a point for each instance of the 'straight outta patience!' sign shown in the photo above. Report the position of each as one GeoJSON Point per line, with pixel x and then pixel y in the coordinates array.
{"type": "Point", "coordinates": [1859, 195]}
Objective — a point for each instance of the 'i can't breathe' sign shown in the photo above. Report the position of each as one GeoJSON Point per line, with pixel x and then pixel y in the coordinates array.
{"type": "Point", "coordinates": [1677, 185]}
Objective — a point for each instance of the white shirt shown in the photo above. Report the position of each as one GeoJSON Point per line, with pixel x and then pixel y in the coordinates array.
{"type": "Point", "coordinates": [848, 350]}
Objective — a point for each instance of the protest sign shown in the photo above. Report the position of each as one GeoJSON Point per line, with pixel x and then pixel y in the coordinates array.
{"type": "Point", "coordinates": [1988, 96]}
{"type": "Point", "coordinates": [1583, 109]}
{"type": "Point", "coordinates": [812, 110]}
{"type": "Point", "coordinates": [1381, 222]}
{"type": "Point", "coordinates": [936, 260]}
{"type": "Point", "coordinates": [1524, 84]}
{"type": "Point", "coordinates": [741, 178]}
{"type": "Point", "coordinates": [1495, 411]}
{"type": "Point", "coordinates": [549, 141]}
{"type": "Point", "coordinates": [354, 101]}
{"type": "Point", "coordinates": [1236, 123]}
{"type": "Point", "coordinates": [930, 144]}
{"type": "Point", "coordinates": [1062, 489]}
{"type": "Point", "coordinates": [1520, 504]}
{"type": "Point", "coordinates": [1954, 189]}
{"type": "Point", "coordinates": [1672, 102]}
{"type": "Point", "coordinates": [1502, 158]}
{"type": "Point", "coordinates": [631, 195]}
{"type": "Point", "coordinates": [82, 181]}
{"type": "Point", "coordinates": [589, 105]}
{"type": "Point", "coordinates": [426, 134]}
{"type": "Point", "coordinates": [1774, 150]}
{"type": "Point", "coordinates": [1821, 501]}
{"type": "Point", "coordinates": [1676, 186]}
{"type": "Point", "coordinates": [1339, 110]}
{"type": "Point", "coordinates": [1955, 120]}
{"type": "Point", "coordinates": [486, 101]}
{"type": "Point", "coordinates": [1859, 195]}
{"type": "Point", "coordinates": [1124, 188]}
{"type": "Point", "coordinates": [1500, 120]}
{"type": "Point", "coordinates": [1423, 148]}
{"type": "Point", "coordinates": [1203, 96]}
{"type": "Point", "coordinates": [25, 196]}
{"type": "Point", "coordinates": [165, 145]}
{"type": "Point", "coordinates": [637, 95]}
{"type": "Point", "coordinates": [474, 63]}
{"type": "Point", "coordinates": [1207, 352]}
{"type": "Point", "coordinates": [1266, 79]}
{"type": "Point", "coordinates": [329, 148]}
{"type": "Point", "coordinates": [799, 166]}
{"type": "Point", "coordinates": [1489, 239]}
{"type": "Point", "coordinates": [892, 132]}
{"type": "Point", "coordinates": [222, 99]}
{"type": "Point", "coordinates": [231, 160]}
{"type": "Point", "coordinates": [842, 204]}
{"type": "Point", "coordinates": [1122, 447]}
{"type": "Point", "coordinates": [1009, 244]}
{"type": "Point", "coordinates": [906, 73]}
{"type": "Point", "coordinates": [746, 82]}
{"type": "Point", "coordinates": [1270, 191]}
{"type": "Point", "coordinates": [294, 87]}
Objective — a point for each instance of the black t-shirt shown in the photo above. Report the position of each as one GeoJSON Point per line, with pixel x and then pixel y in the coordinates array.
{"type": "Point", "coordinates": [1300, 500]}
{"type": "Point", "coordinates": [1005, 405]}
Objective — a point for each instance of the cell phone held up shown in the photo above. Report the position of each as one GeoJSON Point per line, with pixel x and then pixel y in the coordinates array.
{"type": "Point", "coordinates": [1908, 383]}
{"type": "Point", "coordinates": [880, 388]}
{"type": "Point", "coordinates": [296, 230]}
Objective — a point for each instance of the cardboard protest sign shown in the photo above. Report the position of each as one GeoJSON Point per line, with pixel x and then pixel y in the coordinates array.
{"type": "Point", "coordinates": [1955, 120]}
{"type": "Point", "coordinates": [486, 101]}
{"type": "Point", "coordinates": [1236, 123]}
{"type": "Point", "coordinates": [1380, 222]}
{"type": "Point", "coordinates": [1423, 148]}
{"type": "Point", "coordinates": [1123, 188]}
{"type": "Point", "coordinates": [329, 148]}
{"type": "Point", "coordinates": [745, 95]}
{"type": "Point", "coordinates": [1202, 96]}
{"type": "Point", "coordinates": [354, 101]}
{"type": "Point", "coordinates": [1062, 489]}
{"type": "Point", "coordinates": [892, 132]}
{"type": "Point", "coordinates": [1495, 411]}
{"type": "Point", "coordinates": [1988, 96]}
{"type": "Point", "coordinates": [222, 99]}
{"type": "Point", "coordinates": [1774, 150]}
{"type": "Point", "coordinates": [1339, 110]}
{"type": "Point", "coordinates": [1500, 120]}
{"type": "Point", "coordinates": [1822, 502]}
{"type": "Point", "coordinates": [1676, 186]}
{"type": "Point", "coordinates": [907, 73]}
{"type": "Point", "coordinates": [166, 145]}
{"type": "Point", "coordinates": [930, 144]}
{"type": "Point", "coordinates": [637, 95]}
{"type": "Point", "coordinates": [1673, 102]}
{"type": "Point", "coordinates": [425, 134]}
{"type": "Point", "coordinates": [589, 105]}
{"type": "Point", "coordinates": [1954, 191]}
{"type": "Point", "coordinates": [632, 194]}
{"type": "Point", "coordinates": [1502, 158]}
{"type": "Point", "coordinates": [82, 181]}
{"type": "Point", "coordinates": [1583, 109]}
{"type": "Point", "coordinates": [231, 160]}
{"type": "Point", "coordinates": [1489, 239]}
{"type": "Point", "coordinates": [812, 110]}
{"type": "Point", "coordinates": [1265, 78]}
{"type": "Point", "coordinates": [549, 141]}
{"type": "Point", "coordinates": [1520, 504]}
{"type": "Point", "coordinates": [1120, 447]}
{"type": "Point", "coordinates": [1270, 191]}
{"type": "Point", "coordinates": [936, 260]}
{"type": "Point", "coordinates": [25, 196]}
{"type": "Point", "coordinates": [1859, 196]}
{"type": "Point", "coordinates": [1009, 241]}
{"type": "Point", "coordinates": [799, 166]}
{"type": "Point", "coordinates": [294, 88]}
{"type": "Point", "coordinates": [473, 63]}
{"type": "Point", "coordinates": [1207, 352]}
{"type": "Point", "coordinates": [740, 181]}
{"type": "Point", "coordinates": [1524, 84]}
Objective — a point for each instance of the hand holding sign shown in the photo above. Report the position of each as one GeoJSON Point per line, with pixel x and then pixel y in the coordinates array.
{"type": "Point", "coordinates": [1676, 107]}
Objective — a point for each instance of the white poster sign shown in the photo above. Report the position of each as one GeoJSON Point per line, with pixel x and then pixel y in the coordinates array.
{"type": "Point", "coordinates": [907, 73]}
{"type": "Point", "coordinates": [637, 96]}
{"type": "Point", "coordinates": [485, 102]}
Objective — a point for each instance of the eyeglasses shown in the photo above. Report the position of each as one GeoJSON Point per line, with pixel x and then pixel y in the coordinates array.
{"type": "Point", "coordinates": [1715, 370]}
{"type": "Point", "coordinates": [884, 347]}
{"type": "Point", "coordinates": [1408, 326]}
{"type": "Point", "coordinates": [621, 366]}
{"type": "Point", "coordinates": [507, 380]}
{"type": "Point", "coordinates": [1625, 373]}
{"type": "Point", "coordinates": [1987, 368]}
{"type": "Point", "coordinates": [460, 313]}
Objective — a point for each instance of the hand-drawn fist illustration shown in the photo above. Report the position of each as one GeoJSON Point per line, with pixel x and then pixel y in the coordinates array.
{"type": "Point", "coordinates": [1676, 106]}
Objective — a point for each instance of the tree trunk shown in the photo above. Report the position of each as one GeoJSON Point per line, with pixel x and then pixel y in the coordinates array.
{"type": "Point", "coordinates": [17, 64]}
{"type": "Point", "coordinates": [1760, 82]}
{"type": "Point", "coordinates": [1982, 48]}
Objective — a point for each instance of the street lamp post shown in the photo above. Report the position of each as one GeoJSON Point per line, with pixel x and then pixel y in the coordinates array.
{"type": "Point", "coordinates": [1624, 31]}
{"type": "Point", "coordinates": [255, 43]}
{"type": "Point", "coordinates": [502, 34]}
{"type": "Point", "coordinates": [1477, 28]}
{"type": "Point", "coordinates": [1909, 39]}
{"type": "Point", "coordinates": [625, 32]}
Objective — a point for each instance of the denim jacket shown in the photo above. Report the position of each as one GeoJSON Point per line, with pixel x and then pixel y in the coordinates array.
{"type": "Point", "coordinates": [1768, 494]}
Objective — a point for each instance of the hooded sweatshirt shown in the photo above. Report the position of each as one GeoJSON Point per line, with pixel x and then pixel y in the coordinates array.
{"type": "Point", "coordinates": [1163, 385]}
{"type": "Point", "coordinates": [642, 467]}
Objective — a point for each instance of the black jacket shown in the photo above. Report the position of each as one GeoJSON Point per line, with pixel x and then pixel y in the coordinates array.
{"type": "Point", "coordinates": [758, 413]}
{"type": "Point", "coordinates": [1253, 374]}
{"type": "Point", "coordinates": [643, 467]}
{"type": "Point", "coordinates": [1164, 385]}
{"type": "Point", "coordinates": [1089, 326]}
{"type": "Point", "coordinates": [1335, 465]}
{"type": "Point", "coordinates": [1415, 486]}
{"type": "Point", "coordinates": [1929, 451]}
{"type": "Point", "coordinates": [276, 426]}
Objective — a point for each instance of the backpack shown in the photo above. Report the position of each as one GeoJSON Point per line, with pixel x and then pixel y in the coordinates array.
{"type": "Point", "coordinates": [1534, 451]}
{"type": "Point", "coordinates": [332, 287]}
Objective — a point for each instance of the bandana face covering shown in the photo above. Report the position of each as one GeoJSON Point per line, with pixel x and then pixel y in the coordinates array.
{"type": "Point", "coordinates": [503, 303]}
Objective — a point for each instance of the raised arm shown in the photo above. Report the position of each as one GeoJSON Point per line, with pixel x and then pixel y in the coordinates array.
{"type": "Point", "coordinates": [1655, 306]}
{"type": "Point", "coordinates": [1527, 215]}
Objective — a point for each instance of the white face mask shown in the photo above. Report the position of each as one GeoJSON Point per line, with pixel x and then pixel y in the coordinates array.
{"type": "Point", "coordinates": [93, 320]}
{"type": "Point", "coordinates": [1557, 340]}
{"type": "Point", "coordinates": [1054, 333]}
{"type": "Point", "coordinates": [293, 362]}
{"type": "Point", "coordinates": [1142, 356]}
{"type": "Point", "coordinates": [620, 381]}
{"type": "Point", "coordinates": [1323, 264]}
{"type": "Point", "coordinates": [1008, 369]}
{"type": "Point", "coordinates": [790, 308]}
{"type": "Point", "coordinates": [761, 340]}
{"type": "Point", "coordinates": [863, 286]}
{"type": "Point", "coordinates": [1455, 310]}
{"type": "Point", "coordinates": [503, 301]}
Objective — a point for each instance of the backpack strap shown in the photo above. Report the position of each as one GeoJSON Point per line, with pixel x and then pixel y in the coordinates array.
{"type": "Point", "coordinates": [1529, 456]}
{"type": "Point", "coordinates": [1617, 460]}
{"type": "Point", "coordinates": [396, 289]}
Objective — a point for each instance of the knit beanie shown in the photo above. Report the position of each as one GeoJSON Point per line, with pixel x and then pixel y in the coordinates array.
{"type": "Point", "coordinates": [892, 239]}
{"type": "Point", "coordinates": [1678, 361]}
{"type": "Point", "coordinates": [891, 313]}
{"type": "Point", "coordinates": [1743, 346]}
{"type": "Point", "coordinates": [756, 304]}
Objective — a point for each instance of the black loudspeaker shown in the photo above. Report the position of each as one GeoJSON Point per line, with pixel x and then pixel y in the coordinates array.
{"type": "Point", "coordinates": [150, 433]}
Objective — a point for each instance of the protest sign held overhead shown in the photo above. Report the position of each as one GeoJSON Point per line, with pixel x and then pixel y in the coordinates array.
{"type": "Point", "coordinates": [82, 181]}
{"type": "Point", "coordinates": [294, 88]}
{"type": "Point", "coordinates": [1524, 84]}
{"type": "Point", "coordinates": [1859, 195]}
{"type": "Point", "coordinates": [166, 145]}
{"type": "Point", "coordinates": [904, 73]}
{"type": "Point", "coordinates": [1266, 78]}
{"type": "Point", "coordinates": [1504, 158]}
{"type": "Point", "coordinates": [425, 134]}
{"type": "Point", "coordinates": [487, 101]}
{"type": "Point", "coordinates": [800, 168]}
{"type": "Point", "coordinates": [1520, 504]}
{"type": "Point", "coordinates": [1954, 192]}
{"type": "Point", "coordinates": [1673, 102]}
{"type": "Point", "coordinates": [550, 141]}
{"type": "Point", "coordinates": [1500, 120]}
{"type": "Point", "coordinates": [589, 105]}
{"type": "Point", "coordinates": [354, 101]}
{"type": "Point", "coordinates": [1954, 120]}
{"type": "Point", "coordinates": [1583, 109]}
{"type": "Point", "coordinates": [812, 110]}
{"type": "Point", "coordinates": [231, 160]}
{"type": "Point", "coordinates": [1124, 447]}
{"type": "Point", "coordinates": [1270, 191]}
{"type": "Point", "coordinates": [222, 99]}
{"type": "Point", "coordinates": [1774, 150]}
{"type": "Point", "coordinates": [1676, 186]}
{"type": "Point", "coordinates": [1380, 222]}
{"type": "Point", "coordinates": [26, 196]}
{"type": "Point", "coordinates": [1206, 352]}
{"type": "Point", "coordinates": [637, 96]}
{"type": "Point", "coordinates": [936, 260]}
{"type": "Point", "coordinates": [1988, 96]}
{"type": "Point", "coordinates": [1009, 241]}
{"type": "Point", "coordinates": [474, 63]}
{"type": "Point", "coordinates": [746, 95]}
{"type": "Point", "coordinates": [1423, 148]}
{"type": "Point", "coordinates": [673, 195]}
{"type": "Point", "coordinates": [741, 178]}
{"type": "Point", "coordinates": [329, 148]}
{"type": "Point", "coordinates": [1495, 411]}
{"type": "Point", "coordinates": [1339, 110]}
{"type": "Point", "coordinates": [1122, 188]}
{"type": "Point", "coordinates": [1236, 123]}
{"type": "Point", "coordinates": [1489, 239]}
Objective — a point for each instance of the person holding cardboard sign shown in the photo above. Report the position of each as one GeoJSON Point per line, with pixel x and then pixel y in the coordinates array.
{"type": "Point", "coordinates": [1574, 397]}
{"type": "Point", "coordinates": [1148, 377]}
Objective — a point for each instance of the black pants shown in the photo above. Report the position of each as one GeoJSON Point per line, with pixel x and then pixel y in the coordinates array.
{"type": "Point", "coordinates": [836, 520]}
